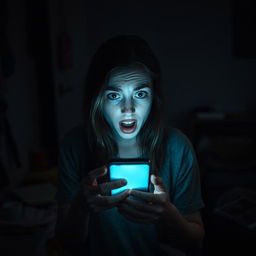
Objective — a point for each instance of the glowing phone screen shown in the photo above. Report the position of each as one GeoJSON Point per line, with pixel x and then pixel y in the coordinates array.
{"type": "Point", "coordinates": [137, 176]}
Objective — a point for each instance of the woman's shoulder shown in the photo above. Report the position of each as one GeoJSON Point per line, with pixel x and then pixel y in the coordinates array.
{"type": "Point", "coordinates": [177, 139]}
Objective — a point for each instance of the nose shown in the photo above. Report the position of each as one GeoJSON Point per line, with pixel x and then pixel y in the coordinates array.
{"type": "Point", "coordinates": [128, 106]}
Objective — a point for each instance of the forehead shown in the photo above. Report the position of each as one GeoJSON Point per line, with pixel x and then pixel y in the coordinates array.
{"type": "Point", "coordinates": [133, 75]}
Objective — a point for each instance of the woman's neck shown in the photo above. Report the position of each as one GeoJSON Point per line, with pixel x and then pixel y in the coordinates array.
{"type": "Point", "coordinates": [129, 151]}
{"type": "Point", "coordinates": [128, 148]}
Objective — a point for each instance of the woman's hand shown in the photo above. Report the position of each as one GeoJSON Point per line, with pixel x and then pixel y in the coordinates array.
{"type": "Point", "coordinates": [153, 206]}
{"type": "Point", "coordinates": [92, 192]}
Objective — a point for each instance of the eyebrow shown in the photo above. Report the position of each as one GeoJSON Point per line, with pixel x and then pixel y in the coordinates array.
{"type": "Point", "coordinates": [118, 89]}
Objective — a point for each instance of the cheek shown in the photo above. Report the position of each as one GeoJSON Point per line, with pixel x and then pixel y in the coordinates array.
{"type": "Point", "coordinates": [109, 113]}
{"type": "Point", "coordinates": [145, 110]}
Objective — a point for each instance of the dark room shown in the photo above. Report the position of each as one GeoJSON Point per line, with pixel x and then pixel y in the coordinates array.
{"type": "Point", "coordinates": [127, 127]}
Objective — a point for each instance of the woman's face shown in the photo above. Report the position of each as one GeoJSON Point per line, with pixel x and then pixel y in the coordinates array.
{"type": "Point", "coordinates": [127, 101]}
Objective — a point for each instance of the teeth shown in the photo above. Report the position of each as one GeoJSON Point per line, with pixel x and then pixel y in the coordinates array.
{"type": "Point", "coordinates": [131, 122]}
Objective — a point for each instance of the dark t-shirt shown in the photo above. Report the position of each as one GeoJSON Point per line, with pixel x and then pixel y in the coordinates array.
{"type": "Point", "coordinates": [111, 233]}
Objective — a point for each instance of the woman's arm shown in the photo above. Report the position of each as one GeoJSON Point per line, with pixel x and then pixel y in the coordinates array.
{"type": "Point", "coordinates": [73, 219]}
{"type": "Point", "coordinates": [184, 231]}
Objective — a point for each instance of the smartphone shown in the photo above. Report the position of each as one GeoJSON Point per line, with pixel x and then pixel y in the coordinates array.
{"type": "Point", "coordinates": [135, 171]}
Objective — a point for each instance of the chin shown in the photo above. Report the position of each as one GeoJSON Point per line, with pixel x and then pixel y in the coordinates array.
{"type": "Point", "coordinates": [128, 136]}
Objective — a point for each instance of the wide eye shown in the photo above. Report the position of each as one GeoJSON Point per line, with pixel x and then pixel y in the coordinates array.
{"type": "Point", "coordinates": [141, 94]}
{"type": "Point", "coordinates": [113, 96]}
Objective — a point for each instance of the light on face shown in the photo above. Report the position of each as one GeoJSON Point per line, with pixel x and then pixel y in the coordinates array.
{"type": "Point", "coordinates": [128, 98]}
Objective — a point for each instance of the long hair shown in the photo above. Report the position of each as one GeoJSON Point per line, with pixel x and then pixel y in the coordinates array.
{"type": "Point", "coordinates": [122, 51]}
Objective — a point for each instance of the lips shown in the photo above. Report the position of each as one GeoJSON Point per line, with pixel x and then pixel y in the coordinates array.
{"type": "Point", "coordinates": [128, 125]}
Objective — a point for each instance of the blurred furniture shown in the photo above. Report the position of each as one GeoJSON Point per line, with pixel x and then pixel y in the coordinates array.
{"type": "Point", "coordinates": [9, 157]}
{"type": "Point", "coordinates": [47, 176]}
{"type": "Point", "coordinates": [28, 215]}
{"type": "Point", "coordinates": [225, 144]}
{"type": "Point", "coordinates": [25, 229]}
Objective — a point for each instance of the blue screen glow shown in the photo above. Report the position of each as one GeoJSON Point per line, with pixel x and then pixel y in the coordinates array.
{"type": "Point", "coordinates": [137, 176]}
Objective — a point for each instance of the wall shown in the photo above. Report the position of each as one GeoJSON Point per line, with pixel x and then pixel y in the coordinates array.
{"type": "Point", "coordinates": [193, 41]}
{"type": "Point", "coordinates": [69, 18]}
{"type": "Point", "coordinates": [21, 89]}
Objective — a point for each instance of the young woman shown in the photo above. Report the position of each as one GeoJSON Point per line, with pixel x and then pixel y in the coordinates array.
{"type": "Point", "coordinates": [125, 119]}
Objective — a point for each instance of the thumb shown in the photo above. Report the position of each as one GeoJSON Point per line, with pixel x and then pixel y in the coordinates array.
{"type": "Point", "coordinates": [158, 184]}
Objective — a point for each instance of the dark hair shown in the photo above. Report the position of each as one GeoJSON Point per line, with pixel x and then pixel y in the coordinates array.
{"type": "Point", "coordinates": [121, 51]}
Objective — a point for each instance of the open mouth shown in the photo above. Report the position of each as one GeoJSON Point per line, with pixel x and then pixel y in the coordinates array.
{"type": "Point", "coordinates": [128, 125]}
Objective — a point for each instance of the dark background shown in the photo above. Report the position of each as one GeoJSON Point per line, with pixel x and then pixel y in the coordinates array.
{"type": "Point", "coordinates": [208, 57]}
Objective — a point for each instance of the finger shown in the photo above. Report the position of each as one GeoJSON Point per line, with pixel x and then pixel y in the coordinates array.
{"type": "Point", "coordinates": [142, 195]}
{"type": "Point", "coordinates": [109, 200]}
{"type": "Point", "coordinates": [158, 184]}
{"type": "Point", "coordinates": [103, 188]}
{"type": "Point", "coordinates": [107, 186]}
{"type": "Point", "coordinates": [142, 206]}
{"type": "Point", "coordinates": [149, 197]}
{"type": "Point", "coordinates": [94, 174]}
{"type": "Point", "coordinates": [101, 204]}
